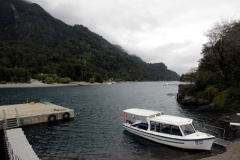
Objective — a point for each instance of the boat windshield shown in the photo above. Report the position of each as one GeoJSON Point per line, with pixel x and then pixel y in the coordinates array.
{"type": "Point", "coordinates": [187, 129]}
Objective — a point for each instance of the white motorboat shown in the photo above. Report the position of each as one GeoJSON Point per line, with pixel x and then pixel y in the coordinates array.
{"type": "Point", "coordinates": [166, 129]}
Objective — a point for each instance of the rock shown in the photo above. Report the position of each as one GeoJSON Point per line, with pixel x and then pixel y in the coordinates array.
{"type": "Point", "coordinates": [206, 108]}
{"type": "Point", "coordinates": [227, 118]}
{"type": "Point", "coordinates": [201, 102]}
{"type": "Point", "coordinates": [186, 100]}
{"type": "Point", "coordinates": [189, 100]}
{"type": "Point", "coordinates": [180, 97]}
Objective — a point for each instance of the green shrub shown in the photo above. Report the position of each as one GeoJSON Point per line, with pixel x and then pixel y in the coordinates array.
{"type": "Point", "coordinates": [91, 80]}
{"type": "Point", "coordinates": [48, 80]}
{"type": "Point", "coordinates": [65, 80]}
{"type": "Point", "coordinates": [118, 80]}
{"type": "Point", "coordinates": [204, 79]}
{"type": "Point", "coordinates": [209, 93]}
{"type": "Point", "coordinates": [188, 89]}
{"type": "Point", "coordinates": [200, 95]}
{"type": "Point", "coordinates": [3, 82]}
{"type": "Point", "coordinates": [228, 100]}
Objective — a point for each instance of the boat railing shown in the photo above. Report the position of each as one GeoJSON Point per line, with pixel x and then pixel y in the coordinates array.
{"type": "Point", "coordinates": [218, 132]}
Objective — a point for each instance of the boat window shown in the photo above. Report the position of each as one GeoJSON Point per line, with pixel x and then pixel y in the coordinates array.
{"type": "Point", "coordinates": [153, 126]}
{"type": "Point", "coordinates": [176, 131]}
{"type": "Point", "coordinates": [165, 128]}
{"type": "Point", "coordinates": [187, 129]}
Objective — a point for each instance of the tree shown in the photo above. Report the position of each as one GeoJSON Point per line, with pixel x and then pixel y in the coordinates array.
{"type": "Point", "coordinates": [217, 45]}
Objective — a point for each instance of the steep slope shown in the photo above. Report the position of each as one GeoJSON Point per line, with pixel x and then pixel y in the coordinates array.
{"type": "Point", "coordinates": [31, 23]}
{"type": "Point", "coordinates": [33, 42]}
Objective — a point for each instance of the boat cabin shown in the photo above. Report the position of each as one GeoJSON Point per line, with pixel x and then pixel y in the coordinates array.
{"type": "Point", "coordinates": [157, 122]}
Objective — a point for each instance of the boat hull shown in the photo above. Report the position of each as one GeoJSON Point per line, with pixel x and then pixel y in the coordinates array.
{"type": "Point", "coordinates": [195, 144]}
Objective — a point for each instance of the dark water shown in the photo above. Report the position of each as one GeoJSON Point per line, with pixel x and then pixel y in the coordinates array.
{"type": "Point", "coordinates": [96, 131]}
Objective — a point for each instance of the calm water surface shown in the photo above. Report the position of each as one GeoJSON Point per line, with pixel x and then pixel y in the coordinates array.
{"type": "Point", "coordinates": [96, 131]}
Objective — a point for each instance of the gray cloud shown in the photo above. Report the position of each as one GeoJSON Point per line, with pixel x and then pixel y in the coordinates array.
{"type": "Point", "coordinates": [155, 30]}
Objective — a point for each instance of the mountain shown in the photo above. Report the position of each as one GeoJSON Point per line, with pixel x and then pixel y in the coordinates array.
{"type": "Point", "coordinates": [33, 42]}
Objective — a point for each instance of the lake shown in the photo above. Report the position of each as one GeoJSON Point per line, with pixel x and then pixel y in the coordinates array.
{"type": "Point", "coordinates": [96, 131]}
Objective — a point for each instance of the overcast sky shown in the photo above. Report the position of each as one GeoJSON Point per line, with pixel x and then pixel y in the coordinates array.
{"type": "Point", "coordinates": [168, 31]}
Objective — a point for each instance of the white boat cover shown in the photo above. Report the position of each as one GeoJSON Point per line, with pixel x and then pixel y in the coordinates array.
{"type": "Point", "coordinates": [172, 120]}
{"type": "Point", "coordinates": [141, 112]}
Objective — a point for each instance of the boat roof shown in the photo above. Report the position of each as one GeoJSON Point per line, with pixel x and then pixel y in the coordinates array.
{"type": "Point", "coordinates": [141, 112]}
{"type": "Point", "coordinates": [172, 120]}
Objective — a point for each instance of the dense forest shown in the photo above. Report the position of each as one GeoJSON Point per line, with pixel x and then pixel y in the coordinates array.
{"type": "Point", "coordinates": [218, 74]}
{"type": "Point", "coordinates": [33, 43]}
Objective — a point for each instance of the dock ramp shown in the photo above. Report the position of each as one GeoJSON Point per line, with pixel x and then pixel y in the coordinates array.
{"type": "Point", "coordinates": [221, 142]}
{"type": "Point", "coordinates": [17, 145]}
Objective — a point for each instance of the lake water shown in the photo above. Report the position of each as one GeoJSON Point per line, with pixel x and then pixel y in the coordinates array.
{"type": "Point", "coordinates": [96, 131]}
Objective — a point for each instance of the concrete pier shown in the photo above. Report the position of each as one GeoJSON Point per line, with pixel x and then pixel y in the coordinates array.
{"type": "Point", "coordinates": [34, 113]}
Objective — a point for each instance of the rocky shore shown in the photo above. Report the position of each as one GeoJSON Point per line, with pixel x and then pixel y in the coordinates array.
{"type": "Point", "coordinates": [203, 105]}
{"type": "Point", "coordinates": [216, 115]}
{"type": "Point", "coordinates": [232, 151]}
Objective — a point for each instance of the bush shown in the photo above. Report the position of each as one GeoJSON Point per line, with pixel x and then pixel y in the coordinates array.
{"type": "Point", "coordinates": [228, 100]}
{"type": "Point", "coordinates": [187, 89]}
{"type": "Point", "coordinates": [65, 80]}
{"type": "Point", "coordinates": [98, 78]}
{"type": "Point", "coordinates": [209, 93]}
{"type": "Point", "coordinates": [91, 80]}
{"type": "Point", "coordinates": [14, 79]}
{"type": "Point", "coordinates": [204, 79]}
{"type": "Point", "coordinates": [118, 80]}
{"type": "Point", "coordinates": [3, 82]}
{"type": "Point", "coordinates": [48, 80]}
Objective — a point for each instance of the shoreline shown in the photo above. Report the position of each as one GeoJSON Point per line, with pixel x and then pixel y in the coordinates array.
{"type": "Point", "coordinates": [37, 84]}
{"type": "Point", "coordinates": [232, 153]}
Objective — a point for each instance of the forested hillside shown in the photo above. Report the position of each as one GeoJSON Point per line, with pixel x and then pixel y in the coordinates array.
{"type": "Point", "coordinates": [217, 78]}
{"type": "Point", "coordinates": [33, 42]}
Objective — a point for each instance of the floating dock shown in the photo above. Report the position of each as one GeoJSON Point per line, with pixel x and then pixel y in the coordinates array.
{"type": "Point", "coordinates": [33, 113]}
{"type": "Point", "coordinates": [17, 145]}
